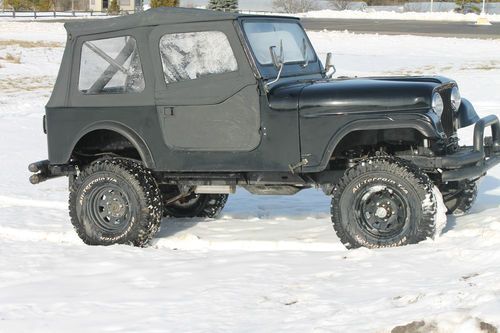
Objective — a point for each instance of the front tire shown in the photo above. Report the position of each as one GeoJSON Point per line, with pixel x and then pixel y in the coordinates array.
{"type": "Point", "coordinates": [383, 202]}
{"type": "Point", "coordinates": [115, 201]}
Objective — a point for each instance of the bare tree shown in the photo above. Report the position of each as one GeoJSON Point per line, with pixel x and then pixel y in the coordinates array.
{"type": "Point", "coordinates": [295, 6]}
{"type": "Point", "coordinates": [341, 4]}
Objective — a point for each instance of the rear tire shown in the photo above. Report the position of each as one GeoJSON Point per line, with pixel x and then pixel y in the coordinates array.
{"type": "Point", "coordinates": [197, 205]}
{"type": "Point", "coordinates": [459, 197]}
{"type": "Point", "coordinates": [115, 201]}
{"type": "Point", "coordinates": [383, 202]}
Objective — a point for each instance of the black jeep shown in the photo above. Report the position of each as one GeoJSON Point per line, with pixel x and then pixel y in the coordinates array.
{"type": "Point", "coordinates": [165, 112]}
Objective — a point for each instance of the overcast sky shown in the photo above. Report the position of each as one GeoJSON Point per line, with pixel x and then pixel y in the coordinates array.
{"type": "Point", "coordinates": [264, 5]}
{"type": "Point", "coordinates": [243, 4]}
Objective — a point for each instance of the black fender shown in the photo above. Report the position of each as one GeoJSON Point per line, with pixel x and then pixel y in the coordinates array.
{"type": "Point", "coordinates": [466, 114]}
{"type": "Point", "coordinates": [127, 132]}
{"type": "Point", "coordinates": [428, 124]}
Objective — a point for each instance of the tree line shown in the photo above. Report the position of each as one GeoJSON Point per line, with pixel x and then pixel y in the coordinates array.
{"type": "Point", "coordinates": [114, 6]}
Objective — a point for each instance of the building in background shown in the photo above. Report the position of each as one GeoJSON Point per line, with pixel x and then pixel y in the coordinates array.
{"type": "Point", "coordinates": [125, 5]}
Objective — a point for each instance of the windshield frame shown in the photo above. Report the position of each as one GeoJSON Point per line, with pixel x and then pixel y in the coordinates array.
{"type": "Point", "coordinates": [290, 69]}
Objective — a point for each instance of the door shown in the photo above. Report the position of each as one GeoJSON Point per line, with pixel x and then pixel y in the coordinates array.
{"type": "Point", "coordinates": [208, 103]}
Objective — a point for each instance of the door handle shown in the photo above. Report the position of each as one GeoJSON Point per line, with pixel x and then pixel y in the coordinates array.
{"type": "Point", "coordinates": [168, 110]}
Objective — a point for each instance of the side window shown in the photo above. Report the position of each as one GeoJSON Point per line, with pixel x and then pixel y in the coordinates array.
{"type": "Point", "coordinates": [189, 56]}
{"type": "Point", "coordinates": [110, 66]}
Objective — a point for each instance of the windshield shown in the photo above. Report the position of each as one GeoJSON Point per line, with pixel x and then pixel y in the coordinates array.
{"type": "Point", "coordinates": [264, 34]}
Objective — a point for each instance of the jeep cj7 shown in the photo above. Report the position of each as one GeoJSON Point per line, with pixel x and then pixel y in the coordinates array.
{"type": "Point", "coordinates": [165, 112]}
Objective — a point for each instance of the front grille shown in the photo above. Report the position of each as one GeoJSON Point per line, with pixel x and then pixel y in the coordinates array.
{"type": "Point", "coordinates": [448, 117]}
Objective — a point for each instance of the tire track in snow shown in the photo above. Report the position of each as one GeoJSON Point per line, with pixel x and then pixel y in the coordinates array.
{"type": "Point", "coordinates": [191, 242]}
{"type": "Point", "coordinates": [6, 202]}
{"type": "Point", "coordinates": [24, 235]}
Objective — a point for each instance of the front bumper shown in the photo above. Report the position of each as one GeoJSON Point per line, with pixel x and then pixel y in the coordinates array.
{"type": "Point", "coordinates": [469, 162]}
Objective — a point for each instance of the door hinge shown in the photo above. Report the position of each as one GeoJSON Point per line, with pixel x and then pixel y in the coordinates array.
{"type": "Point", "coordinates": [294, 167]}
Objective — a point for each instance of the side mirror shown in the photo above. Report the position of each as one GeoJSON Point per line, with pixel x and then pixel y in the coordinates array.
{"type": "Point", "coordinates": [278, 61]}
{"type": "Point", "coordinates": [329, 66]}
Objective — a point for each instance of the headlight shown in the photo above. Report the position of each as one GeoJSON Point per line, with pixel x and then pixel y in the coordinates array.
{"type": "Point", "coordinates": [437, 104]}
{"type": "Point", "coordinates": [455, 98]}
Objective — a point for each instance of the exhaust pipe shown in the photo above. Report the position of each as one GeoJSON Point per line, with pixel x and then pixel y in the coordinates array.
{"type": "Point", "coordinates": [38, 166]}
{"type": "Point", "coordinates": [43, 170]}
{"type": "Point", "coordinates": [38, 178]}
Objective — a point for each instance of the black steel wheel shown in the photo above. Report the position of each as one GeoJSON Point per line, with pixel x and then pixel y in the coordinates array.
{"type": "Point", "coordinates": [459, 197]}
{"type": "Point", "coordinates": [381, 211]}
{"type": "Point", "coordinates": [115, 201]}
{"type": "Point", "coordinates": [109, 208]}
{"type": "Point", "coordinates": [195, 205]}
{"type": "Point", "coordinates": [383, 202]}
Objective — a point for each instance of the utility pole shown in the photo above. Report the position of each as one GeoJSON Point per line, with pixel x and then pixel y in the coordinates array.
{"type": "Point", "coordinates": [482, 19]}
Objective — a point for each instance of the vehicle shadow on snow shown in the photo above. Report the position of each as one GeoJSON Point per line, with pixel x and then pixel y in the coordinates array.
{"type": "Point", "coordinates": [483, 201]}
{"type": "Point", "coordinates": [305, 205]}
{"type": "Point", "coordinates": [172, 226]}
{"type": "Point", "coordinates": [244, 207]}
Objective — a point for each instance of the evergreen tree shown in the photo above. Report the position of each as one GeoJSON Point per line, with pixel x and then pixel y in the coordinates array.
{"type": "Point", "coordinates": [114, 7]}
{"type": "Point", "coordinates": [44, 5]}
{"type": "Point", "coordinates": [230, 5]}
{"type": "Point", "coordinates": [223, 5]}
{"type": "Point", "coordinates": [19, 4]}
{"type": "Point", "coordinates": [468, 6]}
{"type": "Point", "coordinates": [164, 3]}
{"type": "Point", "coordinates": [213, 5]}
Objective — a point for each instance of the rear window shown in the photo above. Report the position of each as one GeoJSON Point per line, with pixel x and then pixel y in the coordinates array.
{"type": "Point", "coordinates": [110, 66]}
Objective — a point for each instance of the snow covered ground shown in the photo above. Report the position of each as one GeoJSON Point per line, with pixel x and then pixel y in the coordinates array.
{"type": "Point", "coordinates": [270, 263]}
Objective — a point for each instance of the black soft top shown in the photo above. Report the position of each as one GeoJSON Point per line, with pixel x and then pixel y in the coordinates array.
{"type": "Point", "coordinates": [151, 17]}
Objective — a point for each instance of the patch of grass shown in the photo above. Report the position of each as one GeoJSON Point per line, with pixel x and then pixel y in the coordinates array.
{"type": "Point", "coordinates": [29, 44]}
{"type": "Point", "coordinates": [405, 73]}
{"type": "Point", "coordinates": [416, 327]}
{"type": "Point", "coordinates": [9, 57]}
{"type": "Point", "coordinates": [487, 327]}
{"type": "Point", "coordinates": [17, 84]}
{"type": "Point", "coordinates": [429, 69]}
{"type": "Point", "coordinates": [486, 66]}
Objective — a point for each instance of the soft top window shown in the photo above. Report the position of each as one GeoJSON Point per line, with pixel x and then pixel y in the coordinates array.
{"type": "Point", "coordinates": [110, 66]}
{"type": "Point", "coordinates": [192, 55]}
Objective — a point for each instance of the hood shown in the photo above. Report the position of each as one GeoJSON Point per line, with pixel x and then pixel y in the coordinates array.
{"type": "Point", "coordinates": [359, 95]}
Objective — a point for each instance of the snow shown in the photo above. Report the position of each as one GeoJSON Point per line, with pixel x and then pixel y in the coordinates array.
{"type": "Point", "coordinates": [441, 219]}
{"type": "Point", "coordinates": [270, 263]}
{"type": "Point", "coordinates": [394, 15]}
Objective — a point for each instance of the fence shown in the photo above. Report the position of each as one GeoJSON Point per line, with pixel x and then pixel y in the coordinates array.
{"type": "Point", "coordinates": [492, 8]}
{"type": "Point", "coordinates": [55, 14]}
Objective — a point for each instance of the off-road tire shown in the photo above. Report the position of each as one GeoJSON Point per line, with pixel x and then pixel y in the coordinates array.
{"type": "Point", "coordinates": [205, 205]}
{"type": "Point", "coordinates": [397, 188]}
{"type": "Point", "coordinates": [115, 201]}
{"type": "Point", "coordinates": [459, 197]}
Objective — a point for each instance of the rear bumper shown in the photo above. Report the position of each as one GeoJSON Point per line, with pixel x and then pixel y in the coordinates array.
{"type": "Point", "coordinates": [43, 170]}
{"type": "Point", "coordinates": [469, 162]}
